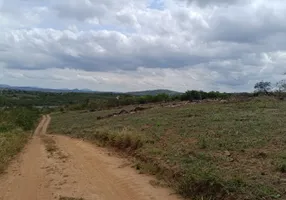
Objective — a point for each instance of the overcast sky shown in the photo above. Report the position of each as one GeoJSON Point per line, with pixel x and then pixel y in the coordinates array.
{"type": "Point", "coordinates": [128, 45]}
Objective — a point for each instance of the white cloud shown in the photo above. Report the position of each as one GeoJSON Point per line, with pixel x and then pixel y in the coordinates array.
{"type": "Point", "coordinates": [142, 44]}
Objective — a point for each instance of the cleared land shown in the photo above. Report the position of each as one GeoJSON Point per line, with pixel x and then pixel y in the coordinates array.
{"type": "Point", "coordinates": [204, 151]}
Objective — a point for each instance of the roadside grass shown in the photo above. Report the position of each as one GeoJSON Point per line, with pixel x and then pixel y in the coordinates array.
{"type": "Point", "coordinates": [15, 129]}
{"type": "Point", "coordinates": [204, 151]}
{"type": "Point", "coordinates": [11, 143]}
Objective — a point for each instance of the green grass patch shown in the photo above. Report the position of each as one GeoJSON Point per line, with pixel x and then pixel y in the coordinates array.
{"type": "Point", "coordinates": [204, 151]}
{"type": "Point", "coordinates": [16, 126]}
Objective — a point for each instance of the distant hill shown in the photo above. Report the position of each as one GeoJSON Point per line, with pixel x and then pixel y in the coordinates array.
{"type": "Point", "coordinates": [4, 86]}
{"type": "Point", "coordinates": [37, 89]}
{"type": "Point", "coordinates": [153, 92]}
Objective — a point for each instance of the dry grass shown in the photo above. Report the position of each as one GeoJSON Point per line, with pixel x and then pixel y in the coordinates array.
{"type": "Point", "coordinates": [205, 151]}
{"type": "Point", "coordinates": [50, 144]}
{"type": "Point", "coordinates": [124, 139]}
{"type": "Point", "coordinates": [11, 143]}
{"type": "Point", "coordinates": [52, 148]}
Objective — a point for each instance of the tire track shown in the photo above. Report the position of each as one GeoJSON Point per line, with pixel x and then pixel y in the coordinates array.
{"type": "Point", "coordinates": [102, 176]}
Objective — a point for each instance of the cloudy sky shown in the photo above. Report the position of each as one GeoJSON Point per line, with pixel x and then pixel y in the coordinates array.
{"type": "Point", "coordinates": [128, 45]}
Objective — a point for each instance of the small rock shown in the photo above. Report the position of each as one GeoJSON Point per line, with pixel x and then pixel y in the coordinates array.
{"type": "Point", "coordinates": [283, 180]}
{"type": "Point", "coordinates": [261, 155]}
{"type": "Point", "coordinates": [227, 153]}
{"type": "Point", "coordinates": [263, 173]}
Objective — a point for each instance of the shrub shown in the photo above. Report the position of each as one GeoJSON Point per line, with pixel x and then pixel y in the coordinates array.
{"type": "Point", "coordinates": [123, 140]}
{"type": "Point", "coordinates": [25, 118]}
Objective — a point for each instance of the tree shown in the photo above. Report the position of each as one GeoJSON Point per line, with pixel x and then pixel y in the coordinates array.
{"type": "Point", "coordinates": [263, 87]}
{"type": "Point", "coordinates": [281, 87]}
{"type": "Point", "coordinates": [161, 97]}
{"type": "Point", "coordinates": [191, 95]}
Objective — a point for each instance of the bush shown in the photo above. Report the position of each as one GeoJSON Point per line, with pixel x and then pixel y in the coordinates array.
{"type": "Point", "coordinates": [25, 118]}
{"type": "Point", "coordinates": [12, 138]}
{"type": "Point", "coordinates": [123, 140]}
{"type": "Point", "coordinates": [208, 188]}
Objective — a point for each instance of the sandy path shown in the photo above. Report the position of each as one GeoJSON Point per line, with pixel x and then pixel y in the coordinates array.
{"type": "Point", "coordinates": [74, 168]}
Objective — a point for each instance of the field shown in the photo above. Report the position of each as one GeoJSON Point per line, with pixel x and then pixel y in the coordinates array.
{"type": "Point", "coordinates": [15, 129]}
{"type": "Point", "coordinates": [204, 151]}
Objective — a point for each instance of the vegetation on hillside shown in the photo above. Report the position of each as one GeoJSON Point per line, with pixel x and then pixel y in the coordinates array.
{"type": "Point", "coordinates": [49, 102]}
{"type": "Point", "coordinates": [205, 151]}
{"type": "Point", "coordinates": [53, 101]}
{"type": "Point", "coordinates": [215, 150]}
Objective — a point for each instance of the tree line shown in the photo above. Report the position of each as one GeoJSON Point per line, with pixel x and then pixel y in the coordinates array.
{"type": "Point", "coordinates": [97, 101]}
{"type": "Point", "coordinates": [268, 88]}
{"type": "Point", "coordinates": [123, 100]}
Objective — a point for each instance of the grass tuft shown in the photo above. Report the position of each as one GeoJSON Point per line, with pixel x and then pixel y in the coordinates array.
{"type": "Point", "coordinates": [50, 144]}
{"type": "Point", "coordinates": [282, 168]}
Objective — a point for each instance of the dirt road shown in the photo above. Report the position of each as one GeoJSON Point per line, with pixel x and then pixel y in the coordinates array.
{"type": "Point", "coordinates": [54, 167]}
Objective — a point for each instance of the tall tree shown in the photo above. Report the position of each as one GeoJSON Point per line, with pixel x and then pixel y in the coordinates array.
{"type": "Point", "coordinates": [263, 87]}
{"type": "Point", "coordinates": [281, 87]}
